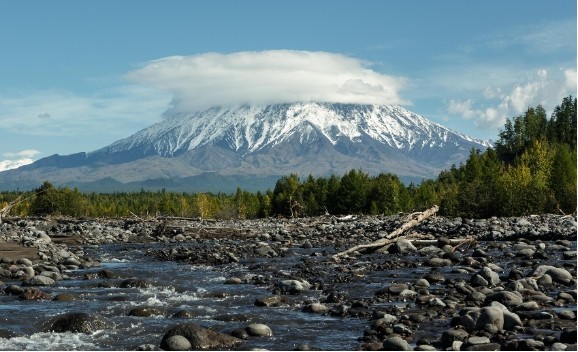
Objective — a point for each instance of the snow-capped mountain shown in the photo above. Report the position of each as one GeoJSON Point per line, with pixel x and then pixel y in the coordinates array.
{"type": "Point", "coordinates": [249, 129]}
{"type": "Point", "coordinates": [268, 141]}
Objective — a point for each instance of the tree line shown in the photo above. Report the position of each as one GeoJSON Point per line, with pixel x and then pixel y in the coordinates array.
{"type": "Point", "coordinates": [530, 170]}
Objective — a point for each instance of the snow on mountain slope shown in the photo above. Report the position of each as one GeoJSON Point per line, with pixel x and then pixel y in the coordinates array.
{"type": "Point", "coordinates": [248, 129]}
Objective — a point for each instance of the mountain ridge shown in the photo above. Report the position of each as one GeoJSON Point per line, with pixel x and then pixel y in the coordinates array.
{"type": "Point", "coordinates": [264, 141]}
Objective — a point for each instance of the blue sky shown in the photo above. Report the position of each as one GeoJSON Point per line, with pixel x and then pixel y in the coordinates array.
{"type": "Point", "coordinates": [79, 75]}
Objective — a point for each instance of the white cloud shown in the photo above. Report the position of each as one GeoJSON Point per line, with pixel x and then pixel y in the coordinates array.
{"type": "Point", "coordinates": [17, 159]}
{"type": "Point", "coordinates": [276, 76]}
{"type": "Point", "coordinates": [500, 102]}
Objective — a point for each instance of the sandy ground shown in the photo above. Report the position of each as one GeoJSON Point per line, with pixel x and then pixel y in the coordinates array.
{"type": "Point", "coordinates": [13, 251]}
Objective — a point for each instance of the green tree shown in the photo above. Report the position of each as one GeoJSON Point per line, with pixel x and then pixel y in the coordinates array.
{"type": "Point", "coordinates": [47, 200]}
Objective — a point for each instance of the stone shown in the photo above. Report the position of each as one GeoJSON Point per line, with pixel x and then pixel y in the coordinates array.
{"type": "Point", "coordinates": [144, 312]}
{"type": "Point", "coordinates": [33, 294]}
{"type": "Point", "coordinates": [507, 298]}
{"type": "Point", "coordinates": [184, 314]}
{"type": "Point", "coordinates": [177, 343]}
{"type": "Point", "coordinates": [396, 343]}
{"type": "Point", "coordinates": [560, 275]}
{"type": "Point", "coordinates": [422, 283]}
{"type": "Point", "coordinates": [483, 347]}
{"type": "Point", "coordinates": [39, 280]}
{"type": "Point", "coordinates": [269, 301]}
{"type": "Point", "coordinates": [492, 316]}
{"type": "Point", "coordinates": [568, 336]}
{"type": "Point", "coordinates": [437, 262]}
{"type": "Point", "coordinates": [258, 330]}
{"type": "Point", "coordinates": [566, 314]}
{"type": "Point", "coordinates": [318, 308]}
{"type": "Point", "coordinates": [451, 335]}
{"type": "Point", "coordinates": [64, 297]}
{"type": "Point", "coordinates": [240, 333]}
{"type": "Point", "coordinates": [80, 322]}
{"type": "Point", "coordinates": [558, 346]}
{"type": "Point", "coordinates": [200, 337]}
{"type": "Point", "coordinates": [293, 286]}
{"type": "Point", "coordinates": [404, 246]}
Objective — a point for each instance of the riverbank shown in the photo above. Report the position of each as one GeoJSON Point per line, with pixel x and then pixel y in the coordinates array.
{"type": "Point", "coordinates": [512, 287]}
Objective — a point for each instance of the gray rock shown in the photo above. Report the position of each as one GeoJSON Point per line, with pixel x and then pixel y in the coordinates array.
{"type": "Point", "coordinates": [451, 335]}
{"type": "Point", "coordinates": [318, 308]}
{"type": "Point", "coordinates": [490, 316]}
{"type": "Point", "coordinates": [560, 275]}
{"type": "Point", "coordinates": [200, 337]}
{"type": "Point", "coordinates": [177, 343]}
{"type": "Point", "coordinates": [405, 246]}
{"type": "Point", "coordinates": [293, 286]}
{"type": "Point", "coordinates": [396, 289]}
{"type": "Point", "coordinates": [80, 322]}
{"type": "Point", "coordinates": [508, 298]}
{"type": "Point", "coordinates": [259, 330]}
{"type": "Point", "coordinates": [269, 301]}
{"type": "Point", "coordinates": [422, 283]}
{"type": "Point", "coordinates": [437, 262]}
{"type": "Point", "coordinates": [396, 343]}
{"type": "Point", "coordinates": [558, 346]}
{"type": "Point", "coordinates": [39, 280]}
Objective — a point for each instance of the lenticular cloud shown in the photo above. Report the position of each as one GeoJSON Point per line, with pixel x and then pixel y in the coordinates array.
{"type": "Point", "coordinates": [268, 77]}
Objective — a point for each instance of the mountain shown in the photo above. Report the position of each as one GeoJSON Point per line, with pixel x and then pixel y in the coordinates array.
{"type": "Point", "coordinates": [220, 149]}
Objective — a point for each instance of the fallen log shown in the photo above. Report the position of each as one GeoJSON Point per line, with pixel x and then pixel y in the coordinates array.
{"type": "Point", "coordinates": [416, 218]}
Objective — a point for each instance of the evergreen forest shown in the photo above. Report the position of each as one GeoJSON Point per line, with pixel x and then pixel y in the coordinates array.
{"type": "Point", "coordinates": [530, 170]}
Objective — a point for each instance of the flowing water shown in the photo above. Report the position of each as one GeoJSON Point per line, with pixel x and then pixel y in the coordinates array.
{"type": "Point", "coordinates": [199, 289]}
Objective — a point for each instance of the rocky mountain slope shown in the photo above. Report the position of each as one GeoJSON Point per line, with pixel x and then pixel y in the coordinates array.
{"type": "Point", "coordinates": [251, 146]}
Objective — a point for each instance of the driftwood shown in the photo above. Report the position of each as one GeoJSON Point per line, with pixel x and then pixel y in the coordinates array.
{"type": "Point", "coordinates": [415, 219]}
{"type": "Point", "coordinates": [4, 211]}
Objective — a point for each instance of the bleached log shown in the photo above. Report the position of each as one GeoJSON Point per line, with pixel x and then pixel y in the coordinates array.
{"type": "Point", "coordinates": [416, 219]}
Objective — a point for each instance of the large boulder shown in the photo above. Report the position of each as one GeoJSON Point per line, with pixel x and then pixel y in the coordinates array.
{"type": "Point", "coordinates": [199, 337]}
{"type": "Point", "coordinates": [560, 275]}
{"type": "Point", "coordinates": [80, 322]}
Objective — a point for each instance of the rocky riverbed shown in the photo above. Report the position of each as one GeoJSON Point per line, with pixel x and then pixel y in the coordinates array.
{"type": "Point", "coordinates": [510, 286]}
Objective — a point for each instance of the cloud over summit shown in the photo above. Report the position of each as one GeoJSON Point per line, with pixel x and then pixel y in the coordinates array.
{"type": "Point", "coordinates": [267, 77]}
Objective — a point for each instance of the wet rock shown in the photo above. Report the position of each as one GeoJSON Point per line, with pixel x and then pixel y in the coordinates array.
{"type": "Point", "coordinates": [568, 336]}
{"type": "Point", "coordinates": [177, 343]}
{"type": "Point", "coordinates": [451, 335]}
{"type": "Point", "coordinates": [33, 294]}
{"type": "Point", "coordinates": [39, 280]}
{"type": "Point", "coordinates": [64, 297]}
{"type": "Point", "coordinates": [200, 337]}
{"type": "Point", "coordinates": [318, 308]}
{"type": "Point", "coordinates": [13, 290]}
{"type": "Point", "coordinates": [144, 312]}
{"type": "Point", "coordinates": [184, 314]}
{"type": "Point", "coordinates": [269, 301]}
{"type": "Point", "coordinates": [396, 343]}
{"type": "Point", "coordinates": [258, 330]}
{"type": "Point", "coordinates": [293, 286]}
{"type": "Point", "coordinates": [560, 275]}
{"type": "Point", "coordinates": [490, 316]}
{"type": "Point", "coordinates": [404, 246]}
{"type": "Point", "coordinates": [508, 298]}
{"type": "Point", "coordinates": [437, 262]}
{"type": "Point", "coordinates": [240, 333]}
{"type": "Point", "coordinates": [80, 322]}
